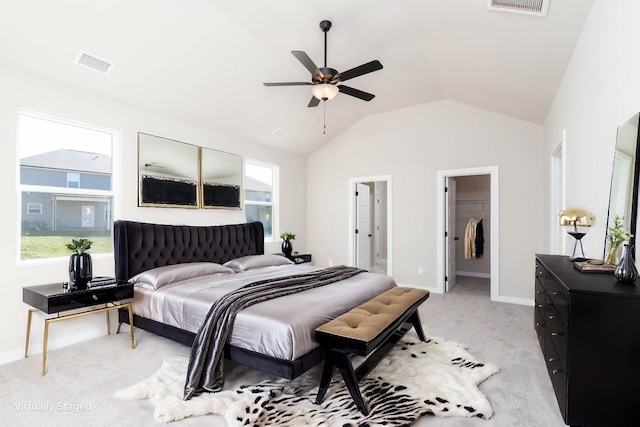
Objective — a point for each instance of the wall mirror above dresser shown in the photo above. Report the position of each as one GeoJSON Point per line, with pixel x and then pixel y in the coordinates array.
{"type": "Point", "coordinates": [623, 196]}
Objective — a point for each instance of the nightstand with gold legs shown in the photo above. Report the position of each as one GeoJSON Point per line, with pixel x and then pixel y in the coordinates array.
{"type": "Point", "coordinates": [53, 299]}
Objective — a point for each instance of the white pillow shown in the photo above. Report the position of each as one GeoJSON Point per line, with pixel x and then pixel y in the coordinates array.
{"type": "Point", "coordinates": [161, 276]}
{"type": "Point", "coordinates": [250, 262]}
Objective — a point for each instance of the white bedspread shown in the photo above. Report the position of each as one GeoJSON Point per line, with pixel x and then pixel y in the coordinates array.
{"type": "Point", "coordinates": [282, 327]}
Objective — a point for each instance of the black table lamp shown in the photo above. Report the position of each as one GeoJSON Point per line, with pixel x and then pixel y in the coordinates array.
{"type": "Point", "coordinates": [577, 221]}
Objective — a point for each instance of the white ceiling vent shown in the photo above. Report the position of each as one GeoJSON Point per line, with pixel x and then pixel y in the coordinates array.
{"type": "Point", "coordinates": [531, 7]}
{"type": "Point", "coordinates": [92, 62]}
{"type": "Point", "coordinates": [280, 133]}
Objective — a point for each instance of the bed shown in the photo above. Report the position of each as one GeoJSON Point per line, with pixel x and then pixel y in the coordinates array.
{"type": "Point", "coordinates": [274, 336]}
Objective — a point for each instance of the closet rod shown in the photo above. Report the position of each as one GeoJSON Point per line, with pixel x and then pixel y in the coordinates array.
{"type": "Point", "coordinates": [473, 200]}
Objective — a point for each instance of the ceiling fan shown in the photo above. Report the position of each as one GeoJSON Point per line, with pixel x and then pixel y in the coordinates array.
{"type": "Point", "coordinates": [324, 80]}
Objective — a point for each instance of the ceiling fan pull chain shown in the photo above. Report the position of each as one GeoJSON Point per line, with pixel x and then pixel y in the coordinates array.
{"type": "Point", "coordinates": [324, 117]}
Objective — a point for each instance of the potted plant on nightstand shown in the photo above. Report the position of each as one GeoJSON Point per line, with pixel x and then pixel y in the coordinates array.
{"type": "Point", "coordinates": [80, 266]}
{"type": "Point", "coordinates": [287, 247]}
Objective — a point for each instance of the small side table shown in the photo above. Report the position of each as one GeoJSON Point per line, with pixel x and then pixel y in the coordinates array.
{"type": "Point", "coordinates": [53, 298]}
{"type": "Point", "coordinates": [299, 258]}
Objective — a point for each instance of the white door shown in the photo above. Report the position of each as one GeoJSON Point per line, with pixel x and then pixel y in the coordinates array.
{"type": "Point", "coordinates": [377, 232]}
{"type": "Point", "coordinates": [363, 227]}
{"type": "Point", "coordinates": [88, 216]}
{"type": "Point", "coordinates": [450, 233]}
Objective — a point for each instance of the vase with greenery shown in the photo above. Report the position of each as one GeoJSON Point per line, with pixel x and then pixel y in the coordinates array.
{"type": "Point", "coordinates": [80, 265]}
{"type": "Point", "coordinates": [287, 247]}
{"type": "Point", "coordinates": [617, 235]}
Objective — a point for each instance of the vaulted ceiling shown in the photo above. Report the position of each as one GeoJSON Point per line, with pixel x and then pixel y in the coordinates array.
{"type": "Point", "coordinates": [205, 61]}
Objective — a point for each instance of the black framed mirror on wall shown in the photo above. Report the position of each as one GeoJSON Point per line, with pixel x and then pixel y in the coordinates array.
{"type": "Point", "coordinates": [623, 194]}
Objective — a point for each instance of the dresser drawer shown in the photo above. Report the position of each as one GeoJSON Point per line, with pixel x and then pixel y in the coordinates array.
{"type": "Point", "coordinates": [539, 272]}
{"type": "Point", "coordinates": [539, 295]}
{"type": "Point", "coordinates": [557, 332]}
{"type": "Point", "coordinates": [541, 330]}
{"type": "Point", "coordinates": [558, 376]}
{"type": "Point", "coordinates": [558, 297]}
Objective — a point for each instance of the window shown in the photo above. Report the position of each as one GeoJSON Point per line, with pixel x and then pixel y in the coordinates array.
{"type": "Point", "coordinates": [260, 195]}
{"type": "Point", "coordinates": [73, 180]}
{"type": "Point", "coordinates": [65, 178]}
{"type": "Point", "coordinates": [34, 208]}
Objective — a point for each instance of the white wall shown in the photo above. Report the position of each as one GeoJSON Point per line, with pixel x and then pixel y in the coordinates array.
{"type": "Point", "coordinates": [22, 90]}
{"type": "Point", "coordinates": [599, 92]}
{"type": "Point", "coordinates": [411, 145]}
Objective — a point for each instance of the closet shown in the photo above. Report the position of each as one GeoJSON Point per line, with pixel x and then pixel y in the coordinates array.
{"type": "Point", "coordinates": [473, 213]}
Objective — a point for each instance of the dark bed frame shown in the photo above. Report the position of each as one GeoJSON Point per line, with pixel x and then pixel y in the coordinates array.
{"type": "Point", "coordinates": [140, 246]}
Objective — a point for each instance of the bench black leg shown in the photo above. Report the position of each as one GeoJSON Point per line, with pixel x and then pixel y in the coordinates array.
{"type": "Point", "coordinates": [354, 390]}
{"type": "Point", "coordinates": [414, 319]}
{"type": "Point", "coordinates": [327, 374]}
{"type": "Point", "coordinates": [340, 360]}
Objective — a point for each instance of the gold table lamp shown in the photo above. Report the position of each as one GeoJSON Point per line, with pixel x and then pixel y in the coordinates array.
{"type": "Point", "coordinates": [579, 220]}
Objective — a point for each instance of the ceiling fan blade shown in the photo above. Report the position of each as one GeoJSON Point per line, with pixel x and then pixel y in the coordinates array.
{"type": "Point", "coordinates": [369, 67]}
{"type": "Point", "coordinates": [288, 84]}
{"type": "Point", "coordinates": [357, 93]}
{"type": "Point", "coordinates": [306, 61]}
{"type": "Point", "coordinates": [313, 102]}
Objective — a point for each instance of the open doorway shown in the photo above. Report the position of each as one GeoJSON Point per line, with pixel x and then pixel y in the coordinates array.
{"type": "Point", "coordinates": [370, 223]}
{"type": "Point", "coordinates": [467, 201]}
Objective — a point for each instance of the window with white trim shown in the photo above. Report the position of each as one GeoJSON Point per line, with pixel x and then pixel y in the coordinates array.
{"type": "Point", "coordinates": [34, 208]}
{"type": "Point", "coordinates": [65, 178]}
{"type": "Point", "coordinates": [261, 195]}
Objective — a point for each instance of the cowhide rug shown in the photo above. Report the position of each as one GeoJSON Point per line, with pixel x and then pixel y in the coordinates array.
{"type": "Point", "coordinates": [438, 377]}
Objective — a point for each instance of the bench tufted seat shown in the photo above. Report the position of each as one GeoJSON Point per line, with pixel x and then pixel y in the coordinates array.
{"type": "Point", "coordinates": [360, 326]}
{"type": "Point", "coordinates": [370, 329]}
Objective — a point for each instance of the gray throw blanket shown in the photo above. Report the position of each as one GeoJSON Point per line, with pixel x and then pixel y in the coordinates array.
{"type": "Point", "coordinates": [205, 371]}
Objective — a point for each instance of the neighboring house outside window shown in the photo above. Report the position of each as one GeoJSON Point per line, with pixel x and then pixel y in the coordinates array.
{"type": "Point", "coordinates": [260, 194]}
{"type": "Point", "coordinates": [65, 184]}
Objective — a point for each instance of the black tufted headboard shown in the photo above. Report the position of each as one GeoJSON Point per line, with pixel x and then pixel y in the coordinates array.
{"type": "Point", "coordinates": [140, 246]}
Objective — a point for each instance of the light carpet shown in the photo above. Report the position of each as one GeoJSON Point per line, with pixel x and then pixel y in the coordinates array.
{"type": "Point", "coordinates": [438, 377]}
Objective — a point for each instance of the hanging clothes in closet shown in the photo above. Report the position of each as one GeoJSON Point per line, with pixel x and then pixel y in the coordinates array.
{"type": "Point", "coordinates": [479, 239]}
{"type": "Point", "coordinates": [474, 239]}
{"type": "Point", "coordinates": [470, 239]}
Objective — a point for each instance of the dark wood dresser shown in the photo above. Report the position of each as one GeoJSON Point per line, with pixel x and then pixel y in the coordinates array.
{"type": "Point", "coordinates": [588, 326]}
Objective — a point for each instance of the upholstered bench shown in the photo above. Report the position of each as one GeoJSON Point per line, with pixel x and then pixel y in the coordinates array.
{"type": "Point", "coordinates": [371, 330]}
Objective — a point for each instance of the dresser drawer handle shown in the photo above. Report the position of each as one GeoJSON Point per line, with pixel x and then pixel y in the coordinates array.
{"type": "Point", "coordinates": [539, 305]}
{"type": "Point", "coordinates": [95, 298]}
{"type": "Point", "coordinates": [554, 334]}
{"type": "Point", "coordinates": [551, 360]}
{"type": "Point", "coordinates": [538, 324]}
{"type": "Point", "coordinates": [555, 293]}
{"type": "Point", "coordinates": [552, 316]}
{"type": "Point", "coordinates": [556, 371]}
{"type": "Point", "coordinates": [538, 292]}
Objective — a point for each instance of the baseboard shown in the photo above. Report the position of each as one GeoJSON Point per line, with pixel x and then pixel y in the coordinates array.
{"type": "Point", "coordinates": [35, 348]}
{"type": "Point", "coordinates": [508, 300]}
{"type": "Point", "coordinates": [513, 300]}
{"type": "Point", "coordinates": [473, 274]}
{"type": "Point", "coordinates": [12, 356]}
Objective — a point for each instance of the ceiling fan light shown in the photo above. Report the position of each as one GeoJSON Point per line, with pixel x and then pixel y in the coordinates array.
{"type": "Point", "coordinates": [324, 91]}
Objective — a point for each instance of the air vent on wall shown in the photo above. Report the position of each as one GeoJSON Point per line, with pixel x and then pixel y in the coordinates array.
{"type": "Point", "coordinates": [92, 62]}
{"type": "Point", "coordinates": [531, 7]}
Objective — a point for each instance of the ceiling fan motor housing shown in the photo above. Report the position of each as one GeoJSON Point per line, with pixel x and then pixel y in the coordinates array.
{"type": "Point", "coordinates": [326, 75]}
